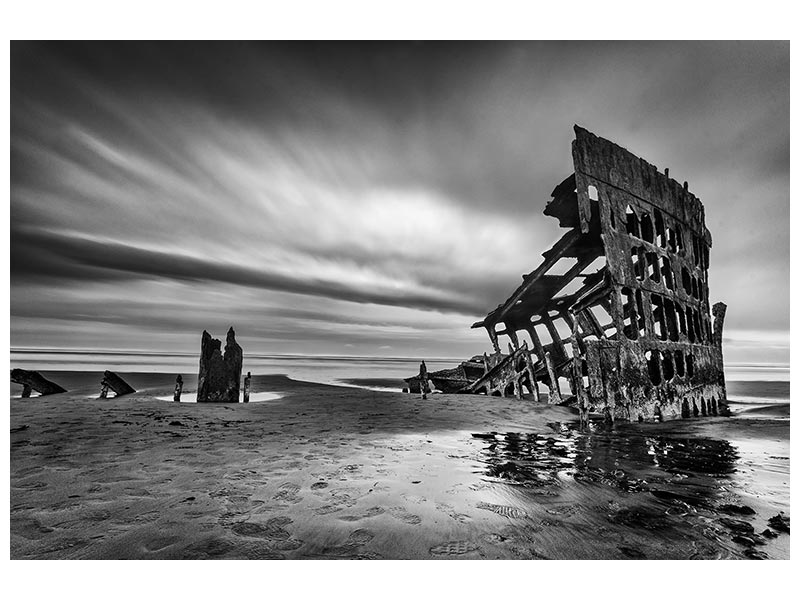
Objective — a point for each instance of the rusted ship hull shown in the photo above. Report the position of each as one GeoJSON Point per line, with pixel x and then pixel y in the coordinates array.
{"type": "Point", "coordinates": [619, 308]}
{"type": "Point", "coordinates": [618, 311]}
{"type": "Point", "coordinates": [450, 381]}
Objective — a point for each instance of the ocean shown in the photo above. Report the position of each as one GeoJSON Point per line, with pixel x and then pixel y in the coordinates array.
{"type": "Point", "coordinates": [749, 384]}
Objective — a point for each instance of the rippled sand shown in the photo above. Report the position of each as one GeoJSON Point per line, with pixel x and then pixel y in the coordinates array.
{"type": "Point", "coordinates": [334, 472]}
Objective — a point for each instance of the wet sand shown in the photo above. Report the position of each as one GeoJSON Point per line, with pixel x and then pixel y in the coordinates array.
{"type": "Point", "coordinates": [340, 472]}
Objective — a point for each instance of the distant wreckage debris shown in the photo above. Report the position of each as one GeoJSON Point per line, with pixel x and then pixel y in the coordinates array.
{"type": "Point", "coordinates": [619, 308]}
{"type": "Point", "coordinates": [32, 381]}
{"type": "Point", "coordinates": [176, 396]}
{"type": "Point", "coordinates": [218, 380]}
{"type": "Point", "coordinates": [115, 383]}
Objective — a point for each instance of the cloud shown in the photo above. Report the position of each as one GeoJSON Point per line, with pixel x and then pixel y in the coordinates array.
{"type": "Point", "coordinates": [108, 260]}
{"type": "Point", "coordinates": [332, 179]}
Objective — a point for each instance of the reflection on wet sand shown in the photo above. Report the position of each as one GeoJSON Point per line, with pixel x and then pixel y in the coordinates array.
{"type": "Point", "coordinates": [601, 455]}
{"type": "Point", "coordinates": [340, 472]}
{"type": "Point", "coordinates": [659, 482]}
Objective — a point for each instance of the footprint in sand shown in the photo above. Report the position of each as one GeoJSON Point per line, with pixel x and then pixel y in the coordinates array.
{"type": "Point", "coordinates": [339, 499]}
{"type": "Point", "coordinates": [360, 537]}
{"type": "Point", "coordinates": [372, 512]}
{"type": "Point", "coordinates": [328, 509]}
{"type": "Point", "coordinates": [414, 499]}
{"type": "Point", "coordinates": [288, 545]}
{"type": "Point", "coordinates": [450, 512]}
{"type": "Point", "coordinates": [495, 538]}
{"type": "Point", "coordinates": [352, 546]}
{"type": "Point", "coordinates": [257, 551]}
{"type": "Point", "coordinates": [398, 512]}
{"type": "Point", "coordinates": [453, 548]}
{"type": "Point", "coordinates": [208, 548]}
{"type": "Point", "coordinates": [504, 511]}
{"type": "Point", "coordinates": [319, 485]}
{"type": "Point", "coordinates": [563, 510]}
{"type": "Point", "coordinates": [272, 529]}
{"type": "Point", "coordinates": [288, 493]}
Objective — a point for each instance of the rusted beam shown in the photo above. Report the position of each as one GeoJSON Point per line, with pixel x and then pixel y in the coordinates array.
{"type": "Point", "coordinates": [555, 392]}
{"type": "Point", "coordinates": [529, 369]}
{"type": "Point", "coordinates": [34, 381]}
{"type": "Point", "coordinates": [589, 321]}
{"type": "Point", "coordinates": [112, 381]}
{"type": "Point", "coordinates": [513, 336]}
{"type": "Point", "coordinates": [493, 338]}
{"type": "Point", "coordinates": [558, 345]}
{"type": "Point", "coordinates": [551, 257]}
{"type": "Point", "coordinates": [577, 374]}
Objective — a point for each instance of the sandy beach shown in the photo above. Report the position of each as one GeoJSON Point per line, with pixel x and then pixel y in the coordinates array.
{"type": "Point", "coordinates": [328, 472]}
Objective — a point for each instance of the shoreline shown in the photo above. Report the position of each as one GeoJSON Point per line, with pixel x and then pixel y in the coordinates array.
{"type": "Point", "coordinates": [344, 472]}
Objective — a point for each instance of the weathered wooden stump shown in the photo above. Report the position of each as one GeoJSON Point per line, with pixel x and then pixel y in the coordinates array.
{"type": "Point", "coordinates": [33, 380]}
{"type": "Point", "coordinates": [423, 380]}
{"type": "Point", "coordinates": [112, 381]}
{"type": "Point", "coordinates": [178, 389]}
{"type": "Point", "coordinates": [247, 387]}
{"type": "Point", "coordinates": [219, 377]}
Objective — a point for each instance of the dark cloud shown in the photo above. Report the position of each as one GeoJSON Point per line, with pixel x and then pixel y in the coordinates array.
{"type": "Point", "coordinates": [37, 255]}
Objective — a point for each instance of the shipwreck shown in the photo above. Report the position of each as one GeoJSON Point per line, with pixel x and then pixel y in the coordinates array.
{"type": "Point", "coordinates": [220, 374]}
{"type": "Point", "coordinates": [33, 381]}
{"type": "Point", "coordinates": [617, 313]}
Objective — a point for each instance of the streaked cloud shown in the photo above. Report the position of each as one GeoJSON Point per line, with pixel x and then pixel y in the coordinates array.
{"type": "Point", "coordinates": [357, 196]}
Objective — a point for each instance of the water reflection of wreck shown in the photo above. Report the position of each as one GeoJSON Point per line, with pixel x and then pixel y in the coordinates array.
{"type": "Point", "coordinates": [618, 311]}
{"type": "Point", "coordinates": [535, 460]}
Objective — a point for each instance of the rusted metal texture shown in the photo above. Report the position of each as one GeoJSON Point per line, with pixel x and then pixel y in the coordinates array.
{"type": "Point", "coordinates": [618, 310]}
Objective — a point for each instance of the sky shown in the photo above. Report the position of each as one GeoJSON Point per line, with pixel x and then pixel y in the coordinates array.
{"type": "Point", "coordinates": [365, 199]}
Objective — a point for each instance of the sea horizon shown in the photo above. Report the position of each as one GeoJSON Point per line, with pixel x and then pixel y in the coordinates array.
{"type": "Point", "coordinates": [747, 383]}
{"type": "Point", "coordinates": [52, 359]}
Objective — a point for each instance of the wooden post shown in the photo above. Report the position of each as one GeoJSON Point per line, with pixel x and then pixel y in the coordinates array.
{"type": "Point", "coordinates": [558, 343]}
{"type": "Point", "coordinates": [178, 389]}
{"type": "Point", "coordinates": [537, 342]}
{"type": "Point", "coordinates": [529, 369]}
{"type": "Point", "coordinates": [512, 334]}
{"type": "Point", "coordinates": [116, 383]}
{"type": "Point", "coordinates": [514, 360]}
{"type": "Point", "coordinates": [247, 387]}
{"type": "Point", "coordinates": [423, 380]}
{"type": "Point", "coordinates": [577, 374]}
{"type": "Point", "coordinates": [555, 393]}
